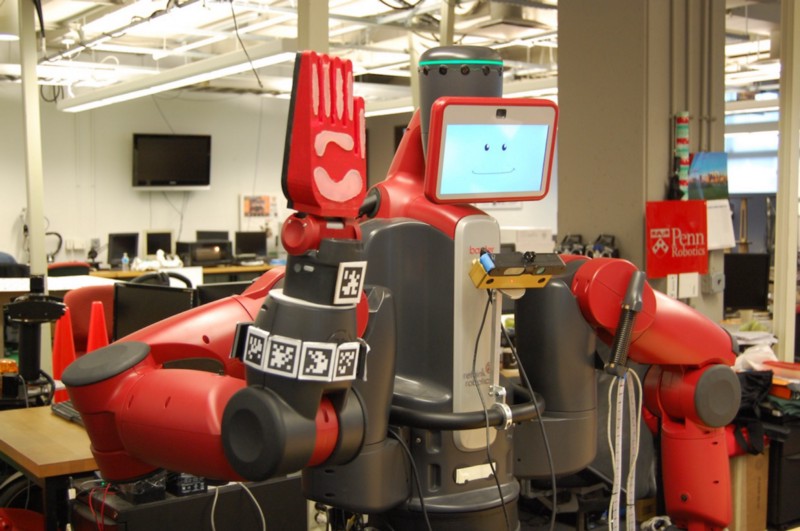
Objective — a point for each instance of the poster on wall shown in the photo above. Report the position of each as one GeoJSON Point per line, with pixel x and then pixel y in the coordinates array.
{"type": "Point", "coordinates": [708, 176]}
{"type": "Point", "coordinates": [255, 211]}
{"type": "Point", "coordinates": [676, 238]}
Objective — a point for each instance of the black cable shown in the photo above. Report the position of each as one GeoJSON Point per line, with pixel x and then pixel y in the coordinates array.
{"type": "Point", "coordinates": [161, 112]}
{"type": "Point", "coordinates": [56, 93]}
{"type": "Point", "coordinates": [403, 7]}
{"type": "Point", "coordinates": [527, 384]}
{"type": "Point", "coordinates": [414, 473]}
{"type": "Point", "coordinates": [485, 410]}
{"type": "Point", "coordinates": [180, 211]}
{"type": "Point", "coordinates": [24, 390]}
{"type": "Point", "coordinates": [468, 420]}
{"type": "Point", "coordinates": [244, 49]}
{"type": "Point", "coordinates": [52, 383]}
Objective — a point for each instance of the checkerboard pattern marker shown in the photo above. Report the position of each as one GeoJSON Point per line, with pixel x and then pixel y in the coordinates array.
{"type": "Point", "coordinates": [346, 361]}
{"type": "Point", "coordinates": [317, 361]}
{"type": "Point", "coordinates": [310, 360]}
{"type": "Point", "coordinates": [349, 282]}
{"type": "Point", "coordinates": [283, 356]}
{"type": "Point", "coordinates": [255, 347]}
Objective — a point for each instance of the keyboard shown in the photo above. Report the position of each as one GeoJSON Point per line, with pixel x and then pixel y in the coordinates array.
{"type": "Point", "coordinates": [66, 411]}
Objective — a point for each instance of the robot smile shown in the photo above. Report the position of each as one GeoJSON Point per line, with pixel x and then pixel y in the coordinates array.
{"type": "Point", "coordinates": [506, 172]}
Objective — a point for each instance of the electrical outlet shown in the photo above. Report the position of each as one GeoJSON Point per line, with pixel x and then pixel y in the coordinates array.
{"type": "Point", "coordinates": [713, 283]}
{"type": "Point", "coordinates": [78, 245]}
{"type": "Point", "coordinates": [688, 285]}
{"type": "Point", "coordinates": [94, 243]}
{"type": "Point", "coordinates": [672, 286]}
{"type": "Point", "coordinates": [69, 244]}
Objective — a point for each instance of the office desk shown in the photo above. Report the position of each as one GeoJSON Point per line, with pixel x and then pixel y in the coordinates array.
{"type": "Point", "coordinates": [11, 288]}
{"type": "Point", "coordinates": [222, 273]}
{"type": "Point", "coordinates": [48, 450]}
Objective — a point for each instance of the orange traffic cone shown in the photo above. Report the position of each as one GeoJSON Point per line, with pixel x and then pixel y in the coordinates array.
{"type": "Point", "coordinates": [63, 351]}
{"type": "Point", "coordinates": [97, 336]}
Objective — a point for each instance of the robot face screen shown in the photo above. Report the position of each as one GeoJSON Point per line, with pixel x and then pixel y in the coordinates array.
{"type": "Point", "coordinates": [490, 153]}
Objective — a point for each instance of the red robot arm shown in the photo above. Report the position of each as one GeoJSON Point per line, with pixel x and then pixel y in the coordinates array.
{"type": "Point", "coordinates": [690, 387]}
{"type": "Point", "coordinates": [291, 404]}
{"type": "Point", "coordinates": [325, 163]}
{"type": "Point", "coordinates": [118, 390]}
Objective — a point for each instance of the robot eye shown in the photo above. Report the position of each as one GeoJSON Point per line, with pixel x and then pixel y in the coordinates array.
{"type": "Point", "coordinates": [486, 147]}
{"type": "Point", "coordinates": [505, 147]}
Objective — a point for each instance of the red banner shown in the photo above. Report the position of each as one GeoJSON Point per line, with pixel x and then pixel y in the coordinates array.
{"type": "Point", "coordinates": [676, 238]}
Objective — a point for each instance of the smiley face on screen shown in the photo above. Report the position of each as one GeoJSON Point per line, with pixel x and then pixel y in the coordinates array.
{"type": "Point", "coordinates": [493, 158]}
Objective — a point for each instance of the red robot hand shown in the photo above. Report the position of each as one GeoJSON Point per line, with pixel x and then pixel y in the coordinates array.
{"type": "Point", "coordinates": [325, 170]}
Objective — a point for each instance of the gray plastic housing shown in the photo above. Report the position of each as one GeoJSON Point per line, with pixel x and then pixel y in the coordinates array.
{"type": "Point", "coordinates": [556, 348]}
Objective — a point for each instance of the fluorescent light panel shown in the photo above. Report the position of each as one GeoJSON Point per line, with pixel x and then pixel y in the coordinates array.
{"type": "Point", "coordinates": [224, 65]}
{"type": "Point", "coordinates": [386, 107]}
{"type": "Point", "coordinates": [9, 21]}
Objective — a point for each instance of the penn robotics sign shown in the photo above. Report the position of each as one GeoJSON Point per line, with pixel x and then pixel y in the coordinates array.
{"type": "Point", "coordinates": [676, 238]}
{"type": "Point", "coordinates": [678, 244]}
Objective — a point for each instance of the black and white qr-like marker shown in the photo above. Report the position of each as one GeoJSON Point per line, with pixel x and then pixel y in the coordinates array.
{"type": "Point", "coordinates": [349, 282]}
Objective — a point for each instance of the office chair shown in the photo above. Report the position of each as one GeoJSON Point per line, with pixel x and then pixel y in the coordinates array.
{"type": "Point", "coordinates": [161, 278]}
{"type": "Point", "coordinates": [79, 301]}
{"type": "Point", "coordinates": [9, 268]}
{"type": "Point", "coordinates": [64, 269]}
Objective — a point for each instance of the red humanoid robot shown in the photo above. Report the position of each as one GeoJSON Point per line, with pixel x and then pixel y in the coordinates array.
{"type": "Point", "coordinates": [295, 393]}
{"type": "Point", "coordinates": [690, 386]}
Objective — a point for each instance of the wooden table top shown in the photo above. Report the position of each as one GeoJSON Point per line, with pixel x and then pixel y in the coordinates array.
{"type": "Point", "coordinates": [43, 444]}
{"type": "Point", "coordinates": [207, 270]}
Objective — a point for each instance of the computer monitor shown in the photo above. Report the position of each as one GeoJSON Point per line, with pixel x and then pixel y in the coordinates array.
{"type": "Point", "coordinates": [746, 281]}
{"type": "Point", "coordinates": [121, 243]}
{"type": "Point", "coordinates": [205, 252]}
{"type": "Point", "coordinates": [219, 290]}
{"type": "Point", "coordinates": [489, 150]}
{"type": "Point", "coordinates": [139, 305]}
{"type": "Point", "coordinates": [157, 239]}
{"type": "Point", "coordinates": [250, 244]}
{"type": "Point", "coordinates": [203, 235]}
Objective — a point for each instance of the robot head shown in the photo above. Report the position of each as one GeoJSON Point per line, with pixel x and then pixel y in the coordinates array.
{"type": "Point", "coordinates": [457, 71]}
{"type": "Point", "coordinates": [489, 149]}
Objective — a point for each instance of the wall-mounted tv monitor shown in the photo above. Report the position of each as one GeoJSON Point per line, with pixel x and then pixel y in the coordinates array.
{"type": "Point", "coordinates": [157, 239]}
{"type": "Point", "coordinates": [250, 243]}
{"type": "Point", "coordinates": [490, 149]}
{"type": "Point", "coordinates": [121, 243]}
{"type": "Point", "coordinates": [171, 162]}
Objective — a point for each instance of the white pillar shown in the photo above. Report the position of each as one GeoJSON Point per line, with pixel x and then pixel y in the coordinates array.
{"type": "Point", "coordinates": [786, 216]}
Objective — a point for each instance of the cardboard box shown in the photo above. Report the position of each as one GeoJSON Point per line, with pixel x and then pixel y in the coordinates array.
{"type": "Point", "coordinates": [749, 477]}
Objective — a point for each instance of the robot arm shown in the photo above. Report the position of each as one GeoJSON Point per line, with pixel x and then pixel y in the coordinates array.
{"type": "Point", "coordinates": [286, 400]}
{"type": "Point", "coordinates": [690, 387]}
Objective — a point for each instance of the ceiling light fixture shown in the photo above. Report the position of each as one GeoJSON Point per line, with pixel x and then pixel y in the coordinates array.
{"type": "Point", "coordinates": [9, 21]}
{"type": "Point", "coordinates": [387, 107]}
{"type": "Point", "coordinates": [266, 54]}
{"type": "Point", "coordinates": [531, 88]}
